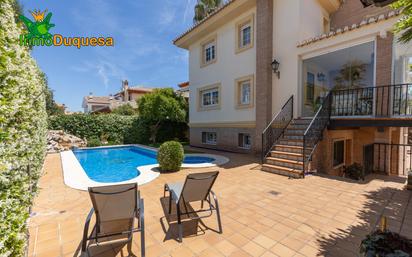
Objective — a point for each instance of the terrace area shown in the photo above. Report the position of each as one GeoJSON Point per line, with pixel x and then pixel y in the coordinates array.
{"type": "Point", "coordinates": [263, 214]}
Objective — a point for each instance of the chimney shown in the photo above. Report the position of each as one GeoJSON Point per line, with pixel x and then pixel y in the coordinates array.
{"type": "Point", "coordinates": [90, 95]}
{"type": "Point", "coordinates": [125, 91]}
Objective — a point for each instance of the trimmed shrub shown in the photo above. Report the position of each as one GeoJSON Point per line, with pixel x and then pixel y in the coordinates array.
{"type": "Point", "coordinates": [23, 128]}
{"type": "Point", "coordinates": [170, 156]}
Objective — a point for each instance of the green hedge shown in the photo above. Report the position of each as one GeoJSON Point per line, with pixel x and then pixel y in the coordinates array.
{"type": "Point", "coordinates": [115, 128]}
{"type": "Point", "coordinates": [110, 126]}
{"type": "Point", "coordinates": [23, 124]}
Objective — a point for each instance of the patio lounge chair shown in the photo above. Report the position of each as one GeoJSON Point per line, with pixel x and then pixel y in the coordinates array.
{"type": "Point", "coordinates": [196, 187]}
{"type": "Point", "coordinates": [116, 208]}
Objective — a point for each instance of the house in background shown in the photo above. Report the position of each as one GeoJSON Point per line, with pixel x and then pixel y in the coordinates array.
{"type": "Point", "coordinates": [128, 95]}
{"type": "Point", "coordinates": [312, 85]}
{"type": "Point", "coordinates": [183, 89]}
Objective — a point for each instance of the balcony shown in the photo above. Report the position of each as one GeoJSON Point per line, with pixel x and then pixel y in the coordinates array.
{"type": "Point", "coordinates": [372, 106]}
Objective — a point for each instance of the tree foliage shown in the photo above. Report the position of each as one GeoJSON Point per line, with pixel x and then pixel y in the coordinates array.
{"type": "Point", "coordinates": [404, 26]}
{"type": "Point", "coordinates": [125, 109]}
{"type": "Point", "coordinates": [163, 105]}
{"type": "Point", "coordinates": [205, 7]}
{"type": "Point", "coordinates": [51, 106]}
{"type": "Point", "coordinates": [23, 126]}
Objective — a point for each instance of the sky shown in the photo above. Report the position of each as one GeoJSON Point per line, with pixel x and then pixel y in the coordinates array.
{"type": "Point", "coordinates": [143, 52]}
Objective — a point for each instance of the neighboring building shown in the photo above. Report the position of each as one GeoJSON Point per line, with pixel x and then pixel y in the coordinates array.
{"type": "Point", "coordinates": [128, 95]}
{"type": "Point", "coordinates": [270, 65]}
{"type": "Point", "coordinates": [183, 89]}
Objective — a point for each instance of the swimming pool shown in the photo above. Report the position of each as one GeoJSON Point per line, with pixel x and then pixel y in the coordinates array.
{"type": "Point", "coordinates": [117, 164]}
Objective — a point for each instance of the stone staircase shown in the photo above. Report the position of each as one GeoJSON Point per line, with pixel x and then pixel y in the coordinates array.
{"type": "Point", "coordinates": [286, 156]}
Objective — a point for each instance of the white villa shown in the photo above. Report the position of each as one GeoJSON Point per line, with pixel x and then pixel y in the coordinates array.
{"type": "Point", "coordinates": [310, 84]}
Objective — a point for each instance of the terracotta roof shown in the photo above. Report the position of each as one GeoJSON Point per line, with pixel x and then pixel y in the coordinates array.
{"type": "Point", "coordinates": [197, 24]}
{"type": "Point", "coordinates": [372, 20]}
{"type": "Point", "coordinates": [183, 84]}
{"type": "Point", "coordinates": [141, 89]}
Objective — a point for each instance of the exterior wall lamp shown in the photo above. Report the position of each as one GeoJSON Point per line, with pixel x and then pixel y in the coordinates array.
{"type": "Point", "coordinates": [275, 67]}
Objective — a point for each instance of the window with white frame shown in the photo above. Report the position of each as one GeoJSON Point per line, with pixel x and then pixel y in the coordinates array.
{"type": "Point", "coordinates": [209, 52]}
{"type": "Point", "coordinates": [245, 89]}
{"type": "Point", "coordinates": [338, 153]}
{"type": "Point", "coordinates": [209, 138]}
{"type": "Point", "coordinates": [244, 140]}
{"type": "Point", "coordinates": [244, 92]}
{"type": "Point", "coordinates": [209, 97]}
{"type": "Point", "coordinates": [245, 35]}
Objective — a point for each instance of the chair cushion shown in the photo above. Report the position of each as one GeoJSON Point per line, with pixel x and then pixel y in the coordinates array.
{"type": "Point", "coordinates": [175, 190]}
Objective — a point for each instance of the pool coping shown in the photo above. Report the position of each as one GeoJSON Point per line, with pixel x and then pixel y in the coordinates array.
{"type": "Point", "coordinates": [75, 176]}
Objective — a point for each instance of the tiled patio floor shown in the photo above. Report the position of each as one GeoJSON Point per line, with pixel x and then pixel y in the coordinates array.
{"type": "Point", "coordinates": [263, 214]}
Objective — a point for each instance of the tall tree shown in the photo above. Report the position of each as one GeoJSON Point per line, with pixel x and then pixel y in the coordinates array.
{"type": "Point", "coordinates": [404, 25]}
{"type": "Point", "coordinates": [204, 7]}
{"type": "Point", "coordinates": [162, 105]}
{"type": "Point", "coordinates": [51, 106]}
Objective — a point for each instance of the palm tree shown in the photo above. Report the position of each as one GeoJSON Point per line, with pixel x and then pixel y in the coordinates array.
{"type": "Point", "coordinates": [204, 7]}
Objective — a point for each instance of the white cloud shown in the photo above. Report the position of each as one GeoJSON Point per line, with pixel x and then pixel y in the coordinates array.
{"type": "Point", "coordinates": [167, 16]}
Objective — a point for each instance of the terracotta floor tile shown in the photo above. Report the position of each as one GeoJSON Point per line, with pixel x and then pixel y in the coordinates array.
{"type": "Point", "coordinates": [282, 250]}
{"type": "Point", "coordinates": [198, 245]}
{"type": "Point", "coordinates": [264, 241]}
{"type": "Point", "coordinates": [225, 247]}
{"type": "Point", "coordinates": [253, 249]}
{"type": "Point", "coordinates": [238, 240]}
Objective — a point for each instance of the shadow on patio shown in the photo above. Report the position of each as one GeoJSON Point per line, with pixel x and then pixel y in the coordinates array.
{"type": "Point", "coordinates": [393, 203]}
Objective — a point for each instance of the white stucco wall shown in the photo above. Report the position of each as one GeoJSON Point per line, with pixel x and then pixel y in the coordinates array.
{"type": "Point", "coordinates": [228, 67]}
{"type": "Point", "coordinates": [292, 22]}
{"type": "Point", "coordinates": [295, 21]}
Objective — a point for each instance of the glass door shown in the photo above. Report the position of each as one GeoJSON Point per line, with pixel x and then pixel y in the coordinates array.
{"type": "Point", "coordinates": [350, 72]}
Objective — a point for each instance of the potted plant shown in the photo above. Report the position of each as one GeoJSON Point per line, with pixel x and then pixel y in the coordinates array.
{"type": "Point", "coordinates": [382, 243]}
{"type": "Point", "coordinates": [354, 171]}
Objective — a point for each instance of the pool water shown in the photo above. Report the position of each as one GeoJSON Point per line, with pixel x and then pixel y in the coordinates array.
{"type": "Point", "coordinates": [116, 164]}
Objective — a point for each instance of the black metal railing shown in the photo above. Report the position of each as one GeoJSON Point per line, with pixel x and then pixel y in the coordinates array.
{"type": "Point", "coordinates": [276, 127]}
{"type": "Point", "coordinates": [380, 101]}
{"type": "Point", "coordinates": [314, 132]}
{"type": "Point", "coordinates": [390, 159]}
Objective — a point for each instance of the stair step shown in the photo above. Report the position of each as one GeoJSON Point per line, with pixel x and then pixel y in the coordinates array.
{"type": "Point", "coordinates": [285, 141]}
{"type": "Point", "coordinates": [285, 160]}
{"type": "Point", "coordinates": [290, 146]}
{"type": "Point", "coordinates": [287, 153]}
{"type": "Point", "coordinates": [292, 139]}
{"type": "Point", "coordinates": [293, 135]}
{"type": "Point", "coordinates": [282, 170]}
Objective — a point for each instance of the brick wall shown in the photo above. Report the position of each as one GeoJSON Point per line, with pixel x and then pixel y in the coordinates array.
{"type": "Point", "coordinates": [358, 138]}
{"type": "Point", "coordinates": [352, 11]}
{"type": "Point", "coordinates": [264, 53]}
{"type": "Point", "coordinates": [227, 138]}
